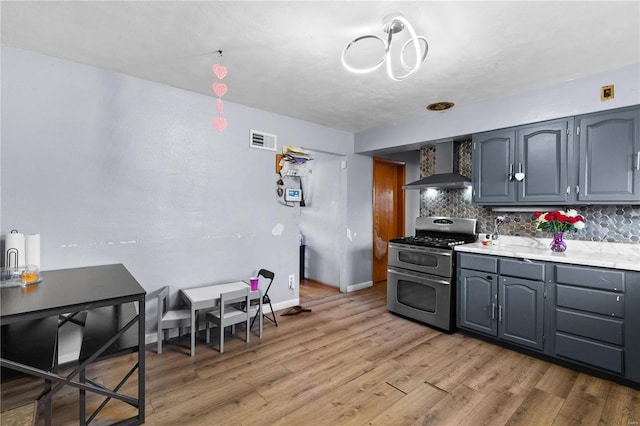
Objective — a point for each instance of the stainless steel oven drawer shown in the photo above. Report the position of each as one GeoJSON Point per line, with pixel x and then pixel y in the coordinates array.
{"type": "Point", "coordinates": [426, 260]}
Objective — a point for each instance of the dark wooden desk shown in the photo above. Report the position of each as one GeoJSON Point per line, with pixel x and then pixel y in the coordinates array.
{"type": "Point", "coordinates": [76, 290]}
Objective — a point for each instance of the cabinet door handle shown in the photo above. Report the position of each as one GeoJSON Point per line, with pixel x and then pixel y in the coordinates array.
{"type": "Point", "coordinates": [500, 313]}
{"type": "Point", "coordinates": [511, 171]}
{"type": "Point", "coordinates": [638, 161]}
{"type": "Point", "coordinates": [493, 311]}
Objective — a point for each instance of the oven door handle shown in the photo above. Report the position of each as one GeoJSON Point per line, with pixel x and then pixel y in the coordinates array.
{"type": "Point", "coordinates": [436, 251]}
{"type": "Point", "coordinates": [410, 274]}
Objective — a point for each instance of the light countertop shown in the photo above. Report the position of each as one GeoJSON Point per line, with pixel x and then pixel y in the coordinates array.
{"type": "Point", "coordinates": [590, 253]}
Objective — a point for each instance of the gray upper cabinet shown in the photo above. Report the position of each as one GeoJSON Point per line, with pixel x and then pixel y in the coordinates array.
{"type": "Point", "coordinates": [493, 161]}
{"type": "Point", "coordinates": [528, 164]}
{"type": "Point", "coordinates": [541, 172]}
{"type": "Point", "coordinates": [609, 158]}
{"type": "Point", "coordinates": [593, 158]}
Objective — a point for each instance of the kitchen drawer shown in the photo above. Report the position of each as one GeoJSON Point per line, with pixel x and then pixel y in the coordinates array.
{"type": "Point", "coordinates": [522, 269]}
{"type": "Point", "coordinates": [602, 279]}
{"type": "Point", "coordinates": [589, 352]}
{"type": "Point", "coordinates": [596, 301]}
{"type": "Point", "coordinates": [478, 262]}
{"type": "Point", "coordinates": [588, 325]}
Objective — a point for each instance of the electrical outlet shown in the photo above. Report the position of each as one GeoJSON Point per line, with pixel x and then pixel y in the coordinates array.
{"type": "Point", "coordinates": [292, 280]}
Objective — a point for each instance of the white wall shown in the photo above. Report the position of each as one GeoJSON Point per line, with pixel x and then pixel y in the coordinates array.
{"type": "Point", "coordinates": [114, 169]}
{"type": "Point", "coordinates": [356, 269]}
{"type": "Point", "coordinates": [322, 220]}
{"type": "Point", "coordinates": [579, 96]}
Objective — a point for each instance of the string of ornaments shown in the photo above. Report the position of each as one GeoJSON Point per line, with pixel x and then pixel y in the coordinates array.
{"type": "Point", "coordinates": [220, 89]}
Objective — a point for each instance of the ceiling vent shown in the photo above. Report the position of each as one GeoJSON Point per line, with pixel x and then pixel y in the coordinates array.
{"type": "Point", "coordinates": [263, 140]}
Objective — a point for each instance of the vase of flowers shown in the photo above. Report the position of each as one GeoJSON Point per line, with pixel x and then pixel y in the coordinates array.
{"type": "Point", "coordinates": [558, 223]}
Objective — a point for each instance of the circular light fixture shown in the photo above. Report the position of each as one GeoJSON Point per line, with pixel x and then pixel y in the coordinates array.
{"type": "Point", "coordinates": [393, 24]}
{"type": "Point", "coordinates": [440, 106]}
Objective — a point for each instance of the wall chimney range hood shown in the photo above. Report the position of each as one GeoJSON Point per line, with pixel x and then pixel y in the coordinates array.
{"type": "Point", "coordinates": [444, 177]}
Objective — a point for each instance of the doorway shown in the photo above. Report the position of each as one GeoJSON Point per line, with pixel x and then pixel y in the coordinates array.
{"type": "Point", "coordinates": [388, 211]}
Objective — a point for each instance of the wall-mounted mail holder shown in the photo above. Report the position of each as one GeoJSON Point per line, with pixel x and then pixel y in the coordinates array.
{"type": "Point", "coordinates": [291, 165]}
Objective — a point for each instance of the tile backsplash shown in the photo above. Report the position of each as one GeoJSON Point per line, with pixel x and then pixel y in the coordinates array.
{"type": "Point", "coordinates": [611, 223]}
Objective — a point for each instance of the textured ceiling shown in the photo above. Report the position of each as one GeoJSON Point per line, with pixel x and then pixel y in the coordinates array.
{"type": "Point", "coordinates": [284, 57]}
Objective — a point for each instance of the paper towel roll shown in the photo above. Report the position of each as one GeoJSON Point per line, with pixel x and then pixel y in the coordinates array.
{"type": "Point", "coordinates": [14, 250]}
{"type": "Point", "coordinates": [32, 250]}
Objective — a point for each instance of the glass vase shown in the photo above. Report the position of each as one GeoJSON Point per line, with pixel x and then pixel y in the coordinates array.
{"type": "Point", "coordinates": [557, 244]}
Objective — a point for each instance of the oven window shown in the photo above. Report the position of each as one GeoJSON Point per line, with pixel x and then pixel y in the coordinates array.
{"type": "Point", "coordinates": [422, 259]}
{"type": "Point", "coordinates": [418, 296]}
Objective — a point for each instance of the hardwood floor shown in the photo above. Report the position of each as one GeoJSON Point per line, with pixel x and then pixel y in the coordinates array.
{"type": "Point", "coordinates": [350, 362]}
{"type": "Point", "coordinates": [315, 290]}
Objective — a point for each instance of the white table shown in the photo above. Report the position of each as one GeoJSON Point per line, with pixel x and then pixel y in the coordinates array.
{"type": "Point", "coordinates": [207, 297]}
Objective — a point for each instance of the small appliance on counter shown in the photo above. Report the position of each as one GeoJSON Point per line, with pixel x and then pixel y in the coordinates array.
{"type": "Point", "coordinates": [21, 260]}
{"type": "Point", "coordinates": [421, 282]}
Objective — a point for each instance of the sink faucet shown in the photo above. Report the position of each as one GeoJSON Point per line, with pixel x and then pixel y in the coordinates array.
{"type": "Point", "coordinates": [499, 221]}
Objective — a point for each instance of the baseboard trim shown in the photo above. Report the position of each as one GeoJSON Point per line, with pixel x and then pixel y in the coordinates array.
{"type": "Point", "coordinates": [359, 286]}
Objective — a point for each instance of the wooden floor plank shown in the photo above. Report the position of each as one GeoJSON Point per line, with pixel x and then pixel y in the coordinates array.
{"type": "Point", "coordinates": [349, 362]}
{"type": "Point", "coordinates": [495, 409]}
{"type": "Point", "coordinates": [538, 408]}
{"type": "Point", "coordinates": [558, 381]}
{"type": "Point", "coordinates": [453, 408]}
{"type": "Point", "coordinates": [409, 409]}
{"type": "Point", "coordinates": [622, 407]}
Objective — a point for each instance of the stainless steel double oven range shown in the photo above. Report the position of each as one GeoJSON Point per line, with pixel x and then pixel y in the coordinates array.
{"type": "Point", "coordinates": [421, 270]}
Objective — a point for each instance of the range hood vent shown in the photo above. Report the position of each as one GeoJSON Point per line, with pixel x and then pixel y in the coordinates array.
{"type": "Point", "coordinates": [444, 177]}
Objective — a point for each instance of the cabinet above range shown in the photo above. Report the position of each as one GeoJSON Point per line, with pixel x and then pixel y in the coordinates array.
{"type": "Point", "coordinates": [588, 159]}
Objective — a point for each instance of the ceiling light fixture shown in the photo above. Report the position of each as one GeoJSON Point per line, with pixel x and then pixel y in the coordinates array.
{"type": "Point", "coordinates": [440, 106]}
{"type": "Point", "coordinates": [392, 24]}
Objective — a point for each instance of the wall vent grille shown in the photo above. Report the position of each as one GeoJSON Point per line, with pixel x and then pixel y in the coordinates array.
{"type": "Point", "coordinates": [263, 140]}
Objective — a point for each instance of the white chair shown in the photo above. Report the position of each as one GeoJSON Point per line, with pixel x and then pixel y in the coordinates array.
{"type": "Point", "coordinates": [255, 309]}
{"type": "Point", "coordinates": [168, 318]}
{"type": "Point", "coordinates": [230, 315]}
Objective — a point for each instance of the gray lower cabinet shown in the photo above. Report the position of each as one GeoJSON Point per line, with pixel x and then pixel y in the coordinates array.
{"type": "Point", "coordinates": [590, 316]}
{"type": "Point", "coordinates": [521, 311]}
{"type": "Point", "coordinates": [506, 307]}
{"type": "Point", "coordinates": [478, 301]}
{"type": "Point", "coordinates": [632, 326]}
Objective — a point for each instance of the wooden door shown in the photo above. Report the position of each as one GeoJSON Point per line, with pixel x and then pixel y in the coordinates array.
{"type": "Point", "coordinates": [388, 211]}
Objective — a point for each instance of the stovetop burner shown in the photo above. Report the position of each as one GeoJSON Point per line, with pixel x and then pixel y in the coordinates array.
{"type": "Point", "coordinates": [428, 241]}
{"type": "Point", "coordinates": [441, 232]}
